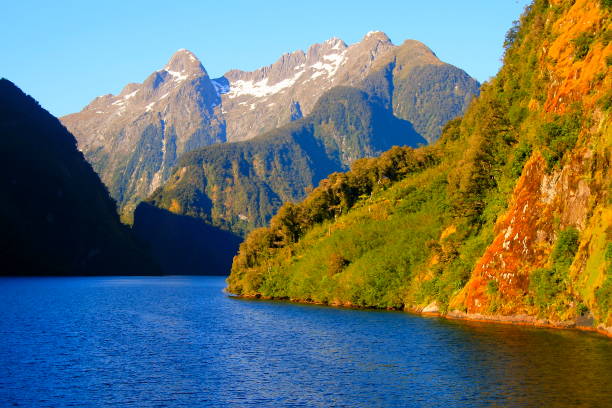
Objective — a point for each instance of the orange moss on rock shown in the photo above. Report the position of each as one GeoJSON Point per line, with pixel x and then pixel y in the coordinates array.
{"type": "Point", "coordinates": [450, 230]}
{"type": "Point", "coordinates": [175, 206]}
{"type": "Point", "coordinates": [544, 203]}
{"type": "Point", "coordinates": [574, 79]}
{"type": "Point", "coordinates": [541, 204]}
{"type": "Point", "coordinates": [522, 243]}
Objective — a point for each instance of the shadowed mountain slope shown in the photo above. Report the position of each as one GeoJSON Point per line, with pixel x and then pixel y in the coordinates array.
{"type": "Point", "coordinates": [56, 215]}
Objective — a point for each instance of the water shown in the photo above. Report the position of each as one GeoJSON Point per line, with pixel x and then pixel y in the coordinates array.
{"type": "Point", "coordinates": [180, 342]}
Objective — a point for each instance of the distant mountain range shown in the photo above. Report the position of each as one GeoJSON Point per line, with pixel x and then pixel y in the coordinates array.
{"type": "Point", "coordinates": [240, 186]}
{"type": "Point", "coordinates": [134, 139]}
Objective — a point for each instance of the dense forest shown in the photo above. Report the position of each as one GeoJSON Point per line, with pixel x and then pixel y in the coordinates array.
{"type": "Point", "coordinates": [55, 214]}
{"type": "Point", "coordinates": [508, 214]}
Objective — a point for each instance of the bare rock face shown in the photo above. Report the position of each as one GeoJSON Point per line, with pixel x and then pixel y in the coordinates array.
{"type": "Point", "coordinates": [261, 100]}
{"type": "Point", "coordinates": [133, 139]}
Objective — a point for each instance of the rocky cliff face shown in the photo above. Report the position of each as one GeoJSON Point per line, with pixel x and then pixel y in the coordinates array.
{"type": "Point", "coordinates": [134, 138]}
{"type": "Point", "coordinates": [573, 196]}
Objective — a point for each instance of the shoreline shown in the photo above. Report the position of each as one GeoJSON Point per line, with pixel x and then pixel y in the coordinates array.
{"type": "Point", "coordinates": [516, 320]}
{"type": "Point", "coordinates": [519, 320]}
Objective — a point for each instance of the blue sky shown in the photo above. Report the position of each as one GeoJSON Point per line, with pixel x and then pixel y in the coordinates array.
{"type": "Point", "coordinates": [65, 53]}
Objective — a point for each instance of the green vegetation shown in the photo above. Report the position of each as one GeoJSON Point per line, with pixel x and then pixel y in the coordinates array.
{"type": "Point", "coordinates": [433, 95]}
{"type": "Point", "coordinates": [239, 186]}
{"type": "Point", "coordinates": [408, 228]}
{"type": "Point", "coordinates": [605, 102]}
{"type": "Point", "coordinates": [521, 154]}
{"type": "Point", "coordinates": [559, 136]}
{"type": "Point", "coordinates": [361, 268]}
{"type": "Point", "coordinates": [379, 224]}
{"type": "Point", "coordinates": [603, 295]}
{"type": "Point", "coordinates": [582, 45]}
{"type": "Point", "coordinates": [547, 284]}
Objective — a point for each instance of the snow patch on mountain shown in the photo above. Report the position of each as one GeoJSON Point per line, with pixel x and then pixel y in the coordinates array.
{"type": "Point", "coordinates": [330, 69]}
{"type": "Point", "coordinates": [261, 88]}
{"type": "Point", "coordinates": [316, 75]}
{"type": "Point", "coordinates": [131, 94]}
{"type": "Point", "coordinates": [327, 66]}
{"type": "Point", "coordinates": [177, 76]}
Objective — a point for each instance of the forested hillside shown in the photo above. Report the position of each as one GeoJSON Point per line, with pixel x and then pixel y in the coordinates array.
{"type": "Point", "coordinates": [506, 217]}
{"type": "Point", "coordinates": [239, 186]}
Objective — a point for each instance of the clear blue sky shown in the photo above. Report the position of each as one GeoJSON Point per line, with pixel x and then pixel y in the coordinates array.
{"type": "Point", "coordinates": [65, 53]}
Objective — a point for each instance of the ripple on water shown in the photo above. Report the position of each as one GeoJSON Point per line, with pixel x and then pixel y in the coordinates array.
{"type": "Point", "coordinates": [180, 342]}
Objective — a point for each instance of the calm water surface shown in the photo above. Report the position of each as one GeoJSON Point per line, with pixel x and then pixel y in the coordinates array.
{"type": "Point", "coordinates": [180, 342]}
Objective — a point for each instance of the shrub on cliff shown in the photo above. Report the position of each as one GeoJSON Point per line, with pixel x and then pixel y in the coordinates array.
{"type": "Point", "coordinates": [546, 283]}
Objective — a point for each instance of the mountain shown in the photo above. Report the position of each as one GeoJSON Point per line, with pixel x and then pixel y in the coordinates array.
{"type": "Point", "coordinates": [135, 138]}
{"type": "Point", "coordinates": [410, 78]}
{"type": "Point", "coordinates": [55, 214]}
{"type": "Point", "coordinates": [239, 186]}
{"type": "Point", "coordinates": [507, 217]}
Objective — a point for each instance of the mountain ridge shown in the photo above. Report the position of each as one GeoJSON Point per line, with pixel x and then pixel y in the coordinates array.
{"type": "Point", "coordinates": [239, 185]}
{"type": "Point", "coordinates": [133, 139]}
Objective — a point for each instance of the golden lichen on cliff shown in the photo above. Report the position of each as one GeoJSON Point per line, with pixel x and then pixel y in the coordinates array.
{"type": "Point", "coordinates": [575, 79]}
{"type": "Point", "coordinates": [573, 194]}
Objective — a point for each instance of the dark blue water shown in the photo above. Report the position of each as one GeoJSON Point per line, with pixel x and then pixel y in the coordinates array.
{"type": "Point", "coordinates": [180, 342]}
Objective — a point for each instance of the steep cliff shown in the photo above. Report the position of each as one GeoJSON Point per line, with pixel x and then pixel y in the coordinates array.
{"type": "Point", "coordinates": [507, 217]}
{"type": "Point", "coordinates": [559, 207]}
